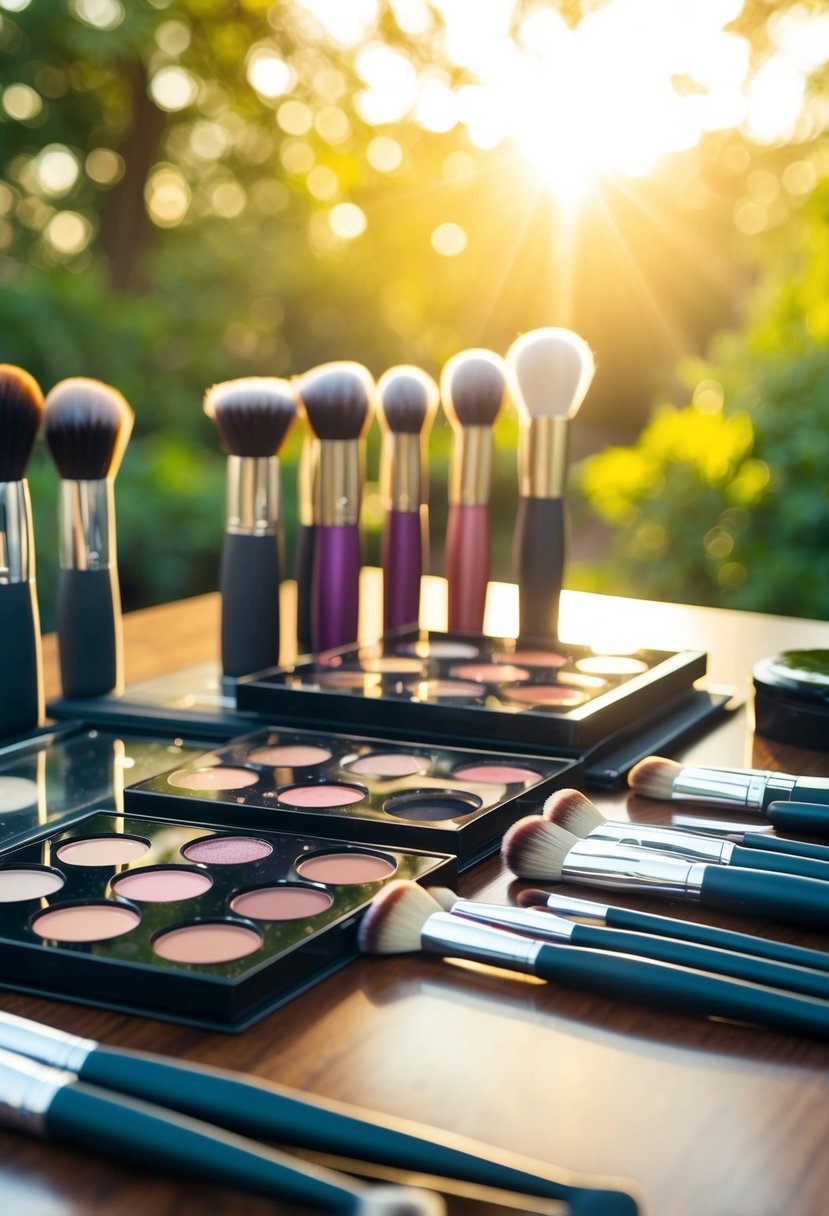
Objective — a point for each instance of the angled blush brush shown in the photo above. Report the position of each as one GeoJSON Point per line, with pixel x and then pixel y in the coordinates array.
{"type": "Point", "coordinates": [472, 387]}
{"type": "Point", "coordinates": [21, 675]}
{"type": "Point", "coordinates": [87, 426]}
{"type": "Point", "coordinates": [338, 400]}
{"type": "Point", "coordinates": [407, 399]}
{"type": "Point", "coordinates": [550, 371]}
{"type": "Point", "coordinates": [253, 417]}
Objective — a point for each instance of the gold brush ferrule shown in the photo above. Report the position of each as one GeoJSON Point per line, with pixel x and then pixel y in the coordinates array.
{"type": "Point", "coordinates": [542, 457]}
{"type": "Point", "coordinates": [17, 551]}
{"type": "Point", "coordinates": [402, 472]}
{"type": "Point", "coordinates": [87, 525]}
{"type": "Point", "coordinates": [252, 495]}
{"type": "Point", "coordinates": [471, 475]}
{"type": "Point", "coordinates": [337, 493]}
{"type": "Point", "coordinates": [306, 479]}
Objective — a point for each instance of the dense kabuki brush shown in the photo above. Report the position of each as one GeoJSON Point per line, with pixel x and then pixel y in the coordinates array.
{"type": "Point", "coordinates": [253, 417]}
{"type": "Point", "coordinates": [338, 401]}
{"type": "Point", "coordinates": [304, 552]}
{"type": "Point", "coordinates": [550, 371]}
{"type": "Point", "coordinates": [87, 426]}
{"type": "Point", "coordinates": [21, 676]}
{"type": "Point", "coordinates": [472, 387]}
{"type": "Point", "coordinates": [407, 400]}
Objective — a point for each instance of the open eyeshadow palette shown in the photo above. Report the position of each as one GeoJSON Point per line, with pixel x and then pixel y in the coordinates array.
{"type": "Point", "coordinates": [410, 795]}
{"type": "Point", "coordinates": [207, 928]}
{"type": "Point", "coordinates": [467, 688]}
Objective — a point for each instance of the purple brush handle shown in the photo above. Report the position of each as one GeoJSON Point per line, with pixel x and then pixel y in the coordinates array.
{"type": "Point", "coordinates": [467, 566]}
{"type": "Point", "coordinates": [402, 568]}
{"type": "Point", "coordinates": [336, 586]}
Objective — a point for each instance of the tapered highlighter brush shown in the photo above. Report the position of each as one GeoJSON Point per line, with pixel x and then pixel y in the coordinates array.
{"type": "Point", "coordinates": [304, 551]}
{"type": "Point", "coordinates": [268, 1112]}
{"type": "Point", "coordinates": [571, 810]}
{"type": "Point", "coordinates": [761, 837]}
{"type": "Point", "coordinates": [472, 388]}
{"type": "Point", "coordinates": [407, 399]}
{"type": "Point", "coordinates": [338, 400]}
{"type": "Point", "coordinates": [21, 668]}
{"type": "Point", "coordinates": [550, 371]}
{"type": "Point", "coordinates": [253, 417]}
{"type": "Point", "coordinates": [536, 848]}
{"type": "Point", "coordinates": [87, 426]}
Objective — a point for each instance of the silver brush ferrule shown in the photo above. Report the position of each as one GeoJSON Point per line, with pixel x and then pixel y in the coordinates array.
{"type": "Point", "coordinates": [27, 1090]}
{"type": "Point", "coordinates": [455, 937]}
{"type": "Point", "coordinates": [665, 840]}
{"type": "Point", "coordinates": [519, 920]}
{"type": "Point", "coordinates": [17, 547]}
{"type": "Point", "coordinates": [252, 495]}
{"type": "Point", "coordinates": [44, 1043]}
{"type": "Point", "coordinates": [620, 867]}
{"type": "Point", "coordinates": [718, 827]}
{"type": "Point", "coordinates": [728, 786]}
{"type": "Point", "coordinates": [586, 910]}
{"type": "Point", "coordinates": [87, 525]}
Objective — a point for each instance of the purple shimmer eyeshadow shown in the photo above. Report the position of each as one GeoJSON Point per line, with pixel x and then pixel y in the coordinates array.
{"type": "Point", "coordinates": [163, 885]}
{"type": "Point", "coordinates": [284, 902]}
{"type": "Point", "coordinates": [342, 869]}
{"type": "Point", "coordinates": [321, 795]}
{"type": "Point", "coordinates": [227, 850]}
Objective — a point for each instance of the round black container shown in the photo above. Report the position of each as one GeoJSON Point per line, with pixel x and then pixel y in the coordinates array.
{"type": "Point", "coordinates": [791, 698]}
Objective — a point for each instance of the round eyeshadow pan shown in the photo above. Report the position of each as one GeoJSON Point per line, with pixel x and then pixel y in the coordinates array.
{"type": "Point", "coordinates": [578, 679]}
{"type": "Point", "coordinates": [443, 690]}
{"type": "Point", "coordinates": [285, 902]}
{"type": "Point", "coordinates": [431, 805]}
{"type": "Point", "coordinates": [550, 695]}
{"type": "Point", "coordinates": [611, 665]}
{"type": "Point", "coordinates": [321, 795]}
{"type": "Point", "coordinates": [219, 778]}
{"type": "Point", "coordinates": [207, 942]}
{"type": "Point", "coordinates": [102, 850]}
{"type": "Point", "coordinates": [491, 673]}
{"type": "Point", "coordinates": [162, 886]}
{"type": "Point", "coordinates": [85, 922]}
{"type": "Point", "coordinates": [344, 869]}
{"type": "Point", "coordinates": [530, 658]}
{"type": "Point", "coordinates": [350, 681]}
{"type": "Point", "coordinates": [389, 764]}
{"type": "Point", "coordinates": [17, 883]}
{"type": "Point", "coordinates": [290, 755]}
{"type": "Point", "coordinates": [499, 774]}
{"type": "Point", "coordinates": [441, 648]}
{"type": "Point", "coordinates": [17, 793]}
{"type": "Point", "coordinates": [227, 850]}
{"type": "Point", "coordinates": [391, 665]}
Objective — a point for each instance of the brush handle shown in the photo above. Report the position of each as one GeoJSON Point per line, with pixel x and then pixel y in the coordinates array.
{"type": "Point", "coordinates": [792, 848]}
{"type": "Point", "coordinates": [467, 566]}
{"type": "Point", "coordinates": [813, 791]}
{"type": "Point", "coordinates": [249, 586]}
{"type": "Point", "coordinates": [21, 674]}
{"type": "Point", "coordinates": [538, 558]}
{"type": "Point", "coordinates": [799, 818]}
{"type": "Point", "coordinates": [89, 632]}
{"type": "Point", "coordinates": [680, 989]}
{"type": "Point", "coordinates": [794, 901]}
{"type": "Point", "coordinates": [760, 858]}
{"type": "Point", "coordinates": [304, 574]}
{"type": "Point", "coordinates": [336, 586]}
{"type": "Point", "coordinates": [402, 569]}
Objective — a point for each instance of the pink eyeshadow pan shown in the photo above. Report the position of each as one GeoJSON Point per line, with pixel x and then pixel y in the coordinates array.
{"type": "Point", "coordinates": [490, 672]}
{"type": "Point", "coordinates": [162, 886]}
{"type": "Point", "coordinates": [389, 665]}
{"type": "Point", "coordinates": [500, 774]}
{"type": "Point", "coordinates": [290, 756]}
{"type": "Point", "coordinates": [344, 868]}
{"type": "Point", "coordinates": [321, 795]}
{"type": "Point", "coordinates": [227, 850]}
{"type": "Point", "coordinates": [389, 764]}
{"type": "Point", "coordinates": [85, 923]}
{"type": "Point", "coordinates": [545, 694]}
{"type": "Point", "coordinates": [531, 658]}
{"type": "Point", "coordinates": [442, 689]}
{"type": "Point", "coordinates": [103, 851]}
{"type": "Point", "coordinates": [282, 903]}
{"type": "Point", "coordinates": [208, 942]}
{"type": "Point", "coordinates": [219, 778]}
{"type": "Point", "coordinates": [17, 884]}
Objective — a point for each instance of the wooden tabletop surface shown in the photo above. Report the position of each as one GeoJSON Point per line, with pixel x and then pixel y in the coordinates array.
{"type": "Point", "coordinates": [707, 1118]}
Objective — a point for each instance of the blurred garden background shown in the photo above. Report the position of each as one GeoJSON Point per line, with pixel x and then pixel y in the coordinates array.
{"type": "Point", "coordinates": [193, 190]}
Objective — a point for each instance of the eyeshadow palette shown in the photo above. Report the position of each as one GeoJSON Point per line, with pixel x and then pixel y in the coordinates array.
{"type": "Point", "coordinates": [207, 928]}
{"type": "Point", "coordinates": [436, 798]}
{"type": "Point", "coordinates": [469, 688]}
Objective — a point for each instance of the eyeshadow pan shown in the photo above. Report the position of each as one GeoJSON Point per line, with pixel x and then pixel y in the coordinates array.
{"type": "Point", "coordinates": [321, 795]}
{"type": "Point", "coordinates": [95, 922]}
{"type": "Point", "coordinates": [227, 850]}
{"type": "Point", "coordinates": [612, 665]}
{"type": "Point", "coordinates": [441, 690]}
{"type": "Point", "coordinates": [18, 883]}
{"type": "Point", "coordinates": [207, 942]}
{"type": "Point", "coordinates": [431, 805]}
{"type": "Point", "coordinates": [578, 679]}
{"type": "Point", "coordinates": [389, 764]}
{"type": "Point", "coordinates": [163, 885]}
{"type": "Point", "coordinates": [17, 793]}
{"type": "Point", "coordinates": [342, 869]}
{"type": "Point", "coordinates": [500, 774]}
{"type": "Point", "coordinates": [441, 648]}
{"type": "Point", "coordinates": [544, 694]}
{"type": "Point", "coordinates": [356, 681]}
{"type": "Point", "coordinates": [112, 850]}
{"type": "Point", "coordinates": [530, 658]}
{"type": "Point", "coordinates": [290, 755]}
{"type": "Point", "coordinates": [391, 665]}
{"type": "Point", "coordinates": [218, 778]}
{"type": "Point", "coordinates": [490, 672]}
{"type": "Point", "coordinates": [285, 902]}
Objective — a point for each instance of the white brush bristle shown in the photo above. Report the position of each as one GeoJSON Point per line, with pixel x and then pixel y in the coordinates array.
{"type": "Point", "coordinates": [534, 848]}
{"type": "Point", "coordinates": [654, 777]}
{"type": "Point", "coordinates": [446, 898]}
{"type": "Point", "coordinates": [549, 371]}
{"type": "Point", "coordinates": [394, 921]}
{"type": "Point", "coordinates": [572, 811]}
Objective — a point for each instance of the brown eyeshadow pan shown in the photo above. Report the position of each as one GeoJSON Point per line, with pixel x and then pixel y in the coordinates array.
{"type": "Point", "coordinates": [342, 869]}
{"type": "Point", "coordinates": [207, 942]}
{"type": "Point", "coordinates": [288, 901]}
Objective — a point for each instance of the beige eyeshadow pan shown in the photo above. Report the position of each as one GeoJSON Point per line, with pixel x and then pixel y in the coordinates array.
{"type": "Point", "coordinates": [95, 922]}
{"type": "Point", "coordinates": [207, 942]}
{"type": "Point", "coordinates": [102, 850]}
{"type": "Point", "coordinates": [219, 778]}
{"type": "Point", "coordinates": [346, 868]}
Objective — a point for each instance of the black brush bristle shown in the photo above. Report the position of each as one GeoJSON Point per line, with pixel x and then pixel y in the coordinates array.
{"type": "Point", "coordinates": [87, 425]}
{"type": "Point", "coordinates": [252, 415]}
{"type": "Point", "coordinates": [473, 386]}
{"type": "Point", "coordinates": [337, 399]}
{"type": "Point", "coordinates": [21, 409]}
{"type": "Point", "coordinates": [407, 398]}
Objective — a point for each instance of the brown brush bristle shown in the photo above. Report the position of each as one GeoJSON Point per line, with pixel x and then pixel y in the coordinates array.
{"type": "Point", "coordinates": [573, 812]}
{"type": "Point", "coordinates": [534, 848]}
{"type": "Point", "coordinates": [21, 410]}
{"type": "Point", "coordinates": [532, 898]}
{"type": "Point", "coordinates": [395, 919]}
{"type": "Point", "coordinates": [654, 777]}
{"type": "Point", "coordinates": [87, 425]}
{"type": "Point", "coordinates": [253, 415]}
{"type": "Point", "coordinates": [550, 371]}
{"type": "Point", "coordinates": [472, 387]}
{"type": "Point", "coordinates": [407, 399]}
{"type": "Point", "coordinates": [338, 399]}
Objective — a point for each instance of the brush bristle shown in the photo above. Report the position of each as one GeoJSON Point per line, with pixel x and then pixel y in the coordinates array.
{"type": "Point", "coordinates": [407, 398]}
{"type": "Point", "coordinates": [654, 777]}
{"type": "Point", "coordinates": [337, 399]}
{"type": "Point", "coordinates": [21, 409]}
{"type": "Point", "coordinates": [87, 425]}
{"type": "Point", "coordinates": [252, 415]}
{"type": "Point", "coordinates": [573, 812]}
{"type": "Point", "coordinates": [472, 387]}
{"type": "Point", "coordinates": [532, 898]}
{"type": "Point", "coordinates": [534, 848]}
{"type": "Point", "coordinates": [446, 898]}
{"type": "Point", "coordinates": [550, 371]}
{"type": "Point", "coordinates": [394, 921]}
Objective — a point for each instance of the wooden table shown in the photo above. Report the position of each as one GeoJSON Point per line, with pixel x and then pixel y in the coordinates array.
{"type": "Point", "coordinates": [708, 1118]}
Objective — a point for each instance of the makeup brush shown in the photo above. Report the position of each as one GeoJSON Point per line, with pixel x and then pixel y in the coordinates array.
{"type": "Point", "coordinates": [87, 426]}
{"type": "Point", "coordinates": [21, 675]}
{"type": "Point", "coordinates": [550, 371]}
{"type": "Point", "coordinates": [269, 1112]}
{"type": "Point", "coordinates": [338, 401]}
{"type": "Point", "coordinates": [304, 553]}
{"type": "Point", "coordinates": [53, 1104]}
{"type": "Point", "coordinates": [571, 810]}
{"type": "Point", "coordinates": [253, 417]}
{"type": "Point", "coordinates": [535, 848]}
{"type": "Point", "coordinates": [762, 837]}
{"type": "Point", "coordinates": [544, 924]}
{"type": "Point", "coordinates": [404, 918]}
{"type": "Point", "coordinates": [472, 387]}
{"type": "Point", "coordinates": [407, 400]}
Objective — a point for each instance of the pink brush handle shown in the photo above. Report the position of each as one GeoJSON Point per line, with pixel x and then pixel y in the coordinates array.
{"type": "Point", "coordinates": [336, 586]}
{"type": "Point", "coordinates": [402, 568]}
{"type": "Point", "coordinates": [467, 566]}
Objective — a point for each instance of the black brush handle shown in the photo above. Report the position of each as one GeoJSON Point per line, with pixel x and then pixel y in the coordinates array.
{"type": "Point", "coordinates": [681, 990]}
{"type": "Point", "coordinates": [781, 863]}
{"type": "Point", "coordinates": [793, 848]}
{"type": "Point", "coordinates": [799, 818]}
{"type": "Point", "coordinates": [538, 557]}
{"type": "Point", "coordinates": [89, 632]}
{"type": "Point", "coordinates": [782, 897]}
{"type": "Point", "coordinates": [249, 585]}
{"type": "Point", "coordinates": [21, 676]}
{"type": "Point", "coordinates": [304, 574]}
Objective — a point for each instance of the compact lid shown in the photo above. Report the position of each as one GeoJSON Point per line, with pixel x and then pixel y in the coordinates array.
{"type": "Point", "coordinates": [799, 671]}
